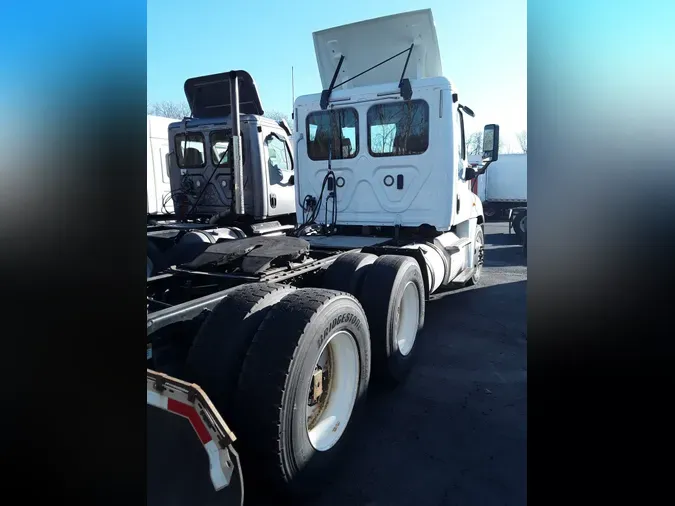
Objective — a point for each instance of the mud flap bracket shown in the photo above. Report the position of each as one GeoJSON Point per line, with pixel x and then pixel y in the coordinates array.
{"type": "Point", "coordinates": [189, 401]}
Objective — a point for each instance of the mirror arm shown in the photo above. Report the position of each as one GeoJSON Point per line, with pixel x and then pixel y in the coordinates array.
{"type": "Point", "coordinates": [475, 172]}
{"type": "Point", "coordinates": [483, 168]}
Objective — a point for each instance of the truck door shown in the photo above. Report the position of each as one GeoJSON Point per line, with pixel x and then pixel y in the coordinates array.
{"type": "Point", "coordinates": [329, 134]}
{"type": "Point", "coordinates": [398, 141]}
{"type": "Point", "coordinates": [160, 148]}
{"type": "Point", "coordinates": [465, 197]}
{"type": "Point", "coordinates": [278, 167]}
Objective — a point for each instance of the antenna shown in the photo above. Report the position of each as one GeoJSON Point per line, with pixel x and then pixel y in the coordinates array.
{"type": "Point", "coordinates": [292, 93]}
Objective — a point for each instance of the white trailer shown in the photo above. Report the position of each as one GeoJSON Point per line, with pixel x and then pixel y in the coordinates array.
{"type": "Point", "coordinates": [159, 182]}
{"type": "Point", "coordinates": [281, 333]}
{"type": "Point", "coordinates": [504, 186]}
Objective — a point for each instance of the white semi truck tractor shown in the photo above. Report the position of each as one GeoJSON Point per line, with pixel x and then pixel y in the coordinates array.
{"type": "Point", "coordinates": [268, 344]}
{"type": "Point", "coordinates": [228, 175]}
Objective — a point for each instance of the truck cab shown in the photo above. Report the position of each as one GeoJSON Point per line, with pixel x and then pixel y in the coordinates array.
{"type": "Point", "coordinates": [397, 162]}
{"type": "Point", "coordinates": [387, 132]}
{"type": "Point", "coordinates": [204, 162]}
{"type": "Point", "coordinates": [231, 171]}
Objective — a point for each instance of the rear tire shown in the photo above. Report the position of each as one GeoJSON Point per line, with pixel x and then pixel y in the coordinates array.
{"type": "Point", "coordinates": [346, 273]}
{"type": "Point", "coordinates": [518, 223]}
{"type": "Point", "coordinates": [155, 259]}
{"type": "Point", "coordinates": [219, 348]}
{"type": "Point", "coordinates": [275, 386]}
{"type": "Point", "coordinates": [393, 298]}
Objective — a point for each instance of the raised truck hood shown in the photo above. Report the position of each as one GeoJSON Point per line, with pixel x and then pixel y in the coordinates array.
{"type": "Point", "coordinates": [369, 42]}
{"type": "Point", "coordinates": [209, 96]}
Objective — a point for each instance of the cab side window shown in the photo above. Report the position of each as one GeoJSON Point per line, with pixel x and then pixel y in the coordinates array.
{"type": "Point", "coordinates": [279, 161]}
{"type": "Point", "coordinates": [461, 146]}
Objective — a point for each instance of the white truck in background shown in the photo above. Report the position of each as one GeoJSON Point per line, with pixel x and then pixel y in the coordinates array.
{"type": "Point", "coordinates": [504, 186]}
{"type": "Point", "coordinates": [159, 184]}
{"type": "Point", "coordinates": [196, 195]}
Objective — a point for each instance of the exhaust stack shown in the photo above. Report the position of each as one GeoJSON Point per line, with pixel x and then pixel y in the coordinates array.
{"type": "Point", "coordinates": [218, 96]}
{"type": "Point", "coordinates": [237, 166]}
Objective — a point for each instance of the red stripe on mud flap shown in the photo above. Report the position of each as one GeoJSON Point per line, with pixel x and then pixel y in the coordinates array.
{"type": "Point", "coordinates": [191, 414]}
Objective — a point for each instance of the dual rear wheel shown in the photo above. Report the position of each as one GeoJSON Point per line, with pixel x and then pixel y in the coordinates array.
{"type": "Point", "coordinates": [289, 368]}
{"type": "Point", "coordinates": [391, 290]}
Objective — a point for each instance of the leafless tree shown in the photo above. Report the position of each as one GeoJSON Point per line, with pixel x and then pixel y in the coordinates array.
{"type": "Point", "coordinates": [169, 109]}
{"type": "Point", "coordinates": [180, 110]}
{"type": "Point", "coordinates": [278, 116]}
{"type": "Point", "coordinates": [474, 145]}
{"type": "Point", "coordinates": [382, 135]}
{"type": "Point", "coordinates": [397, 130]}
{"type": "Point", "coordinates": [522, 140]}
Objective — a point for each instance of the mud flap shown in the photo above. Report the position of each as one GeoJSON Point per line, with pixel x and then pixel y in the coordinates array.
{"type": "Point", "coordinates": [177, 470]}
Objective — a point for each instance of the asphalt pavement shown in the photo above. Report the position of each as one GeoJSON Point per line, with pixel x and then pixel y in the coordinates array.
{"type": "Point", "coordinates": [455, 433]}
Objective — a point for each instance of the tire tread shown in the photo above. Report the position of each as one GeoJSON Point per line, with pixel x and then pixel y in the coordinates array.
{"type": "Point", "coordinates": [219, 348]}
{"type": "Point", "coordinates": [273, 354]}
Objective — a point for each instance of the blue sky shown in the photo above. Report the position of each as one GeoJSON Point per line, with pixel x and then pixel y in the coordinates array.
{"type": "Point", "coordinates": [483, 47]}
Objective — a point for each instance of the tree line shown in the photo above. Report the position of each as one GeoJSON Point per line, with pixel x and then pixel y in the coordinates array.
{"type": "Point", "coordinates": [474, 143]}
{"type": "Point", "coordinates": [180, 110]}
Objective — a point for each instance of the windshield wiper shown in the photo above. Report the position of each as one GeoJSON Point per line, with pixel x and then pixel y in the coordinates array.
{"type": "Point", "coordinates": [403, 85]}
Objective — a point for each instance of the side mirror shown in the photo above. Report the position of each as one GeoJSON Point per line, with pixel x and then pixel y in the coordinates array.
{"type": "Point", "coordinates": [490, 143]}
{"type": "Point", "coordinates": [284, 124]}
{"type": "Point", "coordinates": [291, 180]}
{"type": "Point", "coordinates": [467, 111]}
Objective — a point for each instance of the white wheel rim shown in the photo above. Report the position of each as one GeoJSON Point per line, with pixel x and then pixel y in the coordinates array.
{"type": "Point", "coordinates": [409, 318]}
{"type": "Point", "coordinates": [327, 419]}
